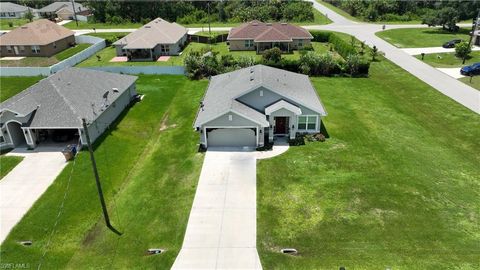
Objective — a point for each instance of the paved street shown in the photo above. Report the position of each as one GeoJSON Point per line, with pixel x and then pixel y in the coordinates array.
{"type": "Point", "coordinates": [22, 186]}
{"type": "Point", "coordinates": [427, 50]}
{"type": "Point", "coordinates": [222, 227]}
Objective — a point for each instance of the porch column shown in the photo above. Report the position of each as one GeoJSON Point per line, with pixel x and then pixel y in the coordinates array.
{"type": "Point", "coordinates": [151, 54]}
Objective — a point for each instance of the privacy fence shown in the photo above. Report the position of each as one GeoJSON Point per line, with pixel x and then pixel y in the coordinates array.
{"type": "Point", "coordinates": [97, 45]}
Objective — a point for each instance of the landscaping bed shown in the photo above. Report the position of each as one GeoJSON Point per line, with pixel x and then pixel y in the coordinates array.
{"type": "Point", "coordinates": [149, 168]}
{"type": "Point", "coordinates": [421, 37]}
{"type": "Point", "coordinates": [45, 61]}
{"type": "Point", "coordinates": [395, 186]}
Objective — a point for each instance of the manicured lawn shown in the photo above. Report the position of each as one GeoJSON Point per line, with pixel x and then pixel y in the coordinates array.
{"type": "Point", "coordinates": [11, 86]}
{"type": "Point", "coordinates": [475, 82]}
{"type": "Point", "coordinates": [396, 186]}
{"type": "Point", "coordinates": [7, 163]}
{"type": "Point", "coordinates": [109, 35]}
{"type": "Point", "coordinates": [449, 60]}
{"type": "Point", "coordinates": [222, 48]}
{"type": "Point", "coordinates": [16, 23]}
{"type": "Point", "coordinates": [149, 167]}
{"type": "Point", "coordinates": [88, 25]}
{"type": "Point", "coordinates": [45, 61]}
{"type": "Point", "coordinates": [421, 37]}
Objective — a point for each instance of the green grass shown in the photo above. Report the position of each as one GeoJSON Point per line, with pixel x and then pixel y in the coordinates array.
{"type": "Point", "coordinates": [45, 61]}
{"type": "Point", "coordinates": [149, 176]}
{"type": "Point", "coordinates": [7, 163]}
{"type": "Point", "coordinates": [339, 11]}
{"type": "Point", "coordinates": [212, 34]}
{"type": "Point", "coordinates": [222, 48]}
{"type": "Point", "coordinates": [448, 60]}
{"type": "Point", "coordinates": [421, 37]}
{"type": "Point", "coordinates": [396, 186]}
{"type": "Point", "coordinates": [89, 25]}
{"type": "Point", "coordinates": [108, 35]}
{"type": "Point", "coordinates": [10, 86]}
{"type": "Point", "coordinates": [475, 81]}
{"type": "Point", "coordinates": [16, 23]}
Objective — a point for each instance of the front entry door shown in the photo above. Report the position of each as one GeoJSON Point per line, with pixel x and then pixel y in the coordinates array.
{"type": "Point", "coordinates": [280, 125]}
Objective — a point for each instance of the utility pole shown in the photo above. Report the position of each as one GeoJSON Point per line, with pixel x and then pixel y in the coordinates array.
{"type": "Point", "coordinates": [74, 12]}
{"type": "Point", "coordinates": [97, 179]}
{"type": "Point", "coordinates": [209, 28]}
{"type": "Point", "coordinates": [474, 28]}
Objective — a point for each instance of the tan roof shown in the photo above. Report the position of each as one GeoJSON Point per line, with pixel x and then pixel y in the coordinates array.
{"type": "Point", "coordinates": [260, 31]}
{"type": "Point", "coordinates": [39, 32]}
{"type": "Point", "coordinates": [153, 33]}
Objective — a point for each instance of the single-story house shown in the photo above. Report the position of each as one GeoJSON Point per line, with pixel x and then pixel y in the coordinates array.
{"type": "Point", "coordinates": [63, 10]}
{"type": "Point", "coordinates": [53, 108]}
{"type": "Point", "coordinates": [38, 38]}
{"type": "Point", "coordinates": [259, 36]}
{"type": "Point", "coordinates": [154, 39]}
{"type": "Point", "coordinates": [254, 104]}
{"type": "Point", "coordinates": [9, 10]}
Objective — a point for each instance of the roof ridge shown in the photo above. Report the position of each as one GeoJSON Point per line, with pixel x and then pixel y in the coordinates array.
{"type": "Point", "coordinates": [63, 97]}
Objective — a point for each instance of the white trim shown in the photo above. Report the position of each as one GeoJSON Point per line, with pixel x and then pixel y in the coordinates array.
{"type": "Point", "coordinates": [230, 110]}
{"type": "Point", "coordinates": [282, 104]}
{"type": "Point", "coordinates": [306, 124]}
{"type": "Point", "coordinates": [261, 124]}
{"type": "Point", "coordinates": [8, 130]}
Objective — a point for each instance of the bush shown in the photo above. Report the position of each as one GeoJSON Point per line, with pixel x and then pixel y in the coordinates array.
{"type": "Point", "coordinates": [273, 55]}
{"type": "Point", "coordinates": [320, 36]}
{"type": "Point", "coordinates": [341, 46]}
{"type": "Point", "coordinates": [10, 24]}
{"type": "Point", "coordinates": [463, 50]}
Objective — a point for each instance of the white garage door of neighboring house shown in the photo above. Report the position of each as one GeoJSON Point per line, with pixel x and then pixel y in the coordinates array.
{"type": "Point", "coordinates": [232, 137]}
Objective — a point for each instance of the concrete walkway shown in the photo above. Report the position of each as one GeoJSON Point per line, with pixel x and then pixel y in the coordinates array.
{"type": "Point", "coordinates": [452, 72]}
{"type": "Point", "coordinates": [221, 230]}
{"type": "Point", "coordinates": [20, 188]}
{"type": "Point", "coordinates": [281, 146]}
{"type": "Point", "coordinates": [64, 22]}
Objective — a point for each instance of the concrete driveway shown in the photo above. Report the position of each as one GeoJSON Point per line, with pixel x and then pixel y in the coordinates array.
{"type": "Point", "coordinates": [221, 230]}
{"type": "Point", "coordinates": [429, 50]}
{"type": "Point", "coordinates": [22, 186]}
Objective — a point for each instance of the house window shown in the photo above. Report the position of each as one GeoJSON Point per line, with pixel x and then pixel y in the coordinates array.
{"type": "Point", "coordinates": [230, 117]}
{"type": "Point", "coordinates": [165, 49]}
{"type": "Point", "coordinates": [11, 14]}
{"type": "Point", "coordinates": [248, 43]}
{"type": "Point", "coordinates": [9, 49]}
{"type": "Point", "coordinates": [3, 14]}
{"type": "Point", "coordinates": [307, 122]}
{"type": "Point", "coordinates": [54, 45]}
{"type": "Point", "coordinates": [2, 139]}
{"type": "Point", "coordinates": [300, 43]}
{"type": "Point", "coordinates": [35, 49]}
{"type": "Point", "coordinates": [22, 48]}
{"type": "Point", "coordinates": [261, 93]}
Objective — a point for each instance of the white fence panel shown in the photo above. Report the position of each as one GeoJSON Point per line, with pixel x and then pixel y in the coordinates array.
{"type": "Point", "coordinates": [173, 70]}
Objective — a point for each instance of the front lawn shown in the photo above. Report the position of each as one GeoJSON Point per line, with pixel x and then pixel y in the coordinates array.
{"type": "Point", "coordinates": [222, 48]}
{"type": "Point", "coordinates": [5, 23]}
{"type": "Point", "coordinates": [395, 187]}
{"type": "Point", "coordinates": [45, 61]}
{"type": "Point", "coordinates": [11, 86]}
{"type": "Point", "coordinates": [421, 37]}
{"type": "Point", "coordinates": [7, 163]}
{"type": "Point", "coordinates": [448, 60]}
{"type": "Point", "coordinates": [475, 81]}
{"type": "Point", "coordinates": [89, 25]}
{"type": "Point", "coordinates": [149, 168]}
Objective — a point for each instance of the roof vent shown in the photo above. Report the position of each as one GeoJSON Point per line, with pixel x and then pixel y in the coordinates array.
{"type": "Point", "coordinates": [115, 90]}
{"type": "Point", "coordinates": [147, 26]}
{"type": "Point", "coordinates": [24, 27]}
{"type": "Point", "coordinates": [269, 24]}
{"type": "Point", "coordinates": [284, 23]}
{"type": "Point", "coordinates": [254, 24]}
{"type": "Point", "coordinates": [251, 70]}
{"type": "Point", "coordinates": [251, 78]}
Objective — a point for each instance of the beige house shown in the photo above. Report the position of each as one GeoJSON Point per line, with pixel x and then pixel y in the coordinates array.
{"type": "Point", "coordinates": [259, 36]}
{"type": "Point", "coordinates": [64, 10]}
{"type": "Point", "coordinates": [152, 40]}
{"type": "Point", "coordinates": [39, 38]}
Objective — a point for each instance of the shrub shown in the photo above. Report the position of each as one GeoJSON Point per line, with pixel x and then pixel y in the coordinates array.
{"type": "Point", "coordinates": [245, 61]}
{"type": "Point", "coordinates": [320, 36]}
{"type": "Point", "coordinates": [341, 46]}
{"type": "Point", "coordinates": [311, 63]}
{"type": "Point", "coordinates": [10, 24]}
{"type": "Point", "coordinates": [463, 50]}
{"type": "Point", "coordinates": [273, 55]}
{"type": "Point", "coordinates": [352, 64]}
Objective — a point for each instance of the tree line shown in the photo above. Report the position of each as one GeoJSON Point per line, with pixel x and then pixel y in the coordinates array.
{"type": "Point", "coordinates": [445, 13]}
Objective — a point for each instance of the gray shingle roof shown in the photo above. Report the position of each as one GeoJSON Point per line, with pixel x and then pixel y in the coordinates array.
{"type": "Point", "coordinates": [66, 97]}
{"type": "Point", "coordinates": [12, 7]}
{"type": "Point", "coordinates": [153, 33]}
{"type": "Point", "coordinates": [55, 6]}
{"type": "Point", "coordinates": [225, 88]}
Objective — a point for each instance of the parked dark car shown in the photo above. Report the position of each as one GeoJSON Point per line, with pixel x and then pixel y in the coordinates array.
{"type": "Point", "coordinates": [451, 43]}
{"type": "Point", "coordinates": [470, 70]}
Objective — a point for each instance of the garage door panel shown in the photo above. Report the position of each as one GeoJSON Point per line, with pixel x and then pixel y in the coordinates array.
{"type": "Point", "coordinates": [232, 137]}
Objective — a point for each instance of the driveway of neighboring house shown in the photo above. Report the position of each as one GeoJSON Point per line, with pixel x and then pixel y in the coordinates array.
{"type": "Point", "coordinates": [221, 230]}
{"type": "Point", "coordinates": [22, 186]}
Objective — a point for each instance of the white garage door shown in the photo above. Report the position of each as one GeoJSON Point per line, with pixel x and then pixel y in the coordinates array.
{"type": "Point", "coordinates": [232, 137]}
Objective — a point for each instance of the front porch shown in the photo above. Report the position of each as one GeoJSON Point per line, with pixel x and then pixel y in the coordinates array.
{"type": "Point", "coordinates": [282, 117]}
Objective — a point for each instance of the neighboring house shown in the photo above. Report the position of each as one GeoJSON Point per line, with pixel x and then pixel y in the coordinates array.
{"type": "Point", "coordinates": [259, 36]}
{"type": "Point", "coordinates": [63, 10]}
{"type": "Point", "coordinates": [38, 38]}
{"type": "Point", "coordinates": [152, 40]}
{"type": "Point", "coordinates": [54, 107]}
{"type": "Point", "coordinates": [254, 104]}
{"type": "Point", "coordinates": [10, 10]}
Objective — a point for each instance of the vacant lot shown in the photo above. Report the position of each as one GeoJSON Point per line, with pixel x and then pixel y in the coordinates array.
{"type": "Point", "coordinates": [396, 186]}
{"type": "Point", "coordinates": [45, 61]}
{"type": "Point", "coordinates": [222, 48]}
{"type": "Point", "coordinates": [449, 60]}
{"type": "Point", "coordinates": [13, 85]}
{"type": "Point", "coordinates": [7, 163]}
{"type": "Point", "coordinates": [421, 37]}
{"type": "Point", "coordinates": [149, 167]}
{"type": "Point", "coordinates": [5, 23]}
